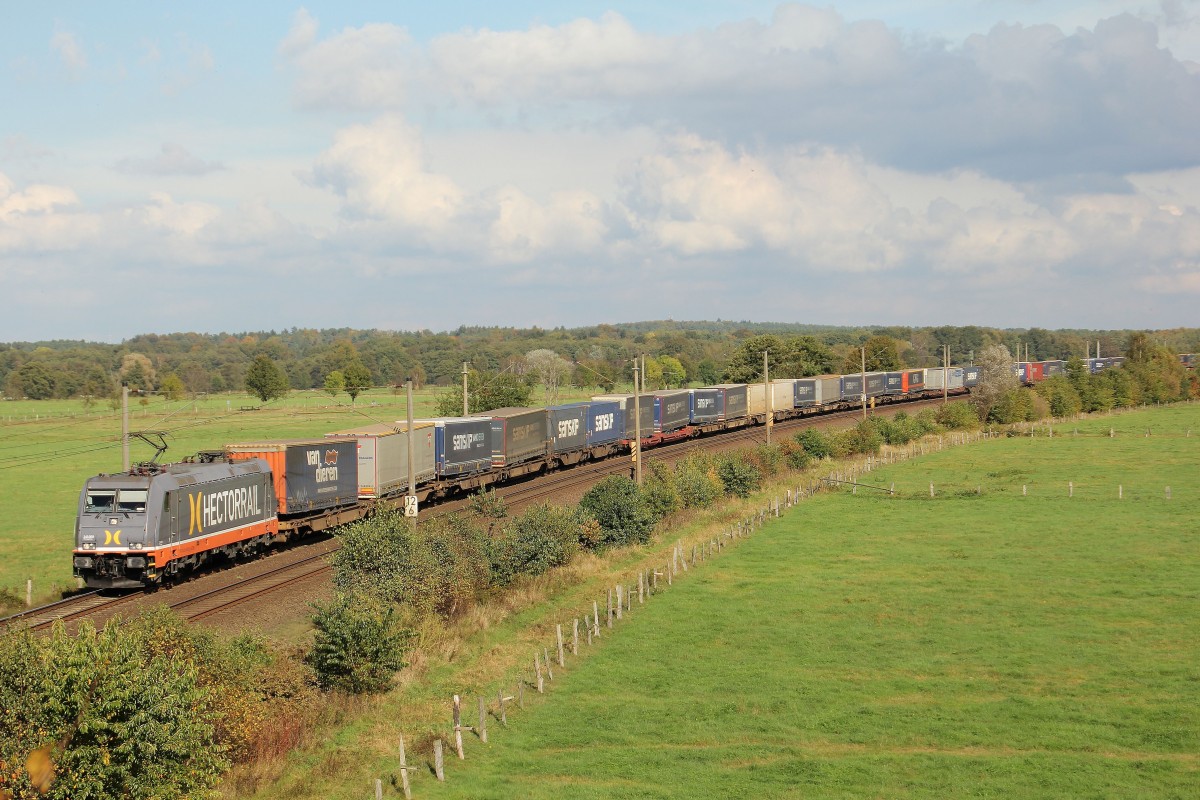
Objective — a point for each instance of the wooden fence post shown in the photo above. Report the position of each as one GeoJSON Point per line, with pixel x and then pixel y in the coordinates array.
{"type": "Point", "coordinates": [537, 668]}
{"type": "Point", "coordinates": [458, 745]}
{"type": "Point", "coordinates": [619, 603]}
{"type": "Point", "coordinates": [521, 693]}
{"type": "Point", "coordinates": [575, 637]}
{"type": "Point", "coordinates": [549, 669]}
{"type": "Point", "coordinates": [1070, 488]}
{"type": "Point", "coordinates": [482, 721]}
{"type": "Point", "coordinates": [641, 588]}
{"type": "Point", "coordinates": [596, 618]}
{"type": "Point", "coordinates": [1168, 492]}
{"type": "Point", "coordinates": [438, 766]}
{"type": "Point", "coordinates": [610, 608]}
{"type": "Point", "coordinates": [29, 593]}
{"type": "Point", "coordinates": [1120, 492]}
{"type": "Point", "coordinates": [654, 580]}
{"type": "Point", "coordinates": [404, 771]}
{"type": "Point", "coordinates": [931, 489]}
{"type": "Point", "coordinates": [500, 705]}
{"type": "Point", "coordinates": [558, 634]}
{"type": "Point", "coordinates": [1024, 490]}
{"type": "Point", "coordinates": [378, 789]}
{"type": "Point", "coordinates": [587, 624]}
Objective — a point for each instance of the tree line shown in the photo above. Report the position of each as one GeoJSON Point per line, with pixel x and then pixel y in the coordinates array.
{"type": "Point", "coordinates": [677, 353]}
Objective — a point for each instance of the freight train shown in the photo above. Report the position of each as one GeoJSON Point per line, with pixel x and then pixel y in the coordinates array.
{"type": "Point", "coordinates": [155, 523]}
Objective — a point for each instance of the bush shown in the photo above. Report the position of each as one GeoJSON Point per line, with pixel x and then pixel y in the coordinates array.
{"type": "Point", "coordinates": [659, 491]}
{"type": "Point", "coordinates": [620, 509]}
{"type": "Point", "coordinates": [815, 443]}
{"type": "Point", "coordinates": [1062, 398]}
{"type": "Point", "coordinates": [738, 475]}
{"type": "Point", "coordinates": [957, 416]}
{"type": "Point", "coordinates": [1015, 405]}
{"type": "Point", "coordinates": [543, 537]}
{"type": "Point", "coordinates": [794, 455]}
{"type": "Point", "coordinates": [375, 556]}
{"type": "Point", "coordinates": [769, 458]}
{"type": "Point", "coordinates": [359, 644]}
{"type": "Point", "coordinates": [113, 713]}
{"type": "Point", "coordinates": [696, 481]}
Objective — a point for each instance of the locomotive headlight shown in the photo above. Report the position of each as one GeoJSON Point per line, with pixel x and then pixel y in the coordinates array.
{"type": "Point", "coordinates": [135, 546]}
{"type": "Point", "coordinates": [89, 545]}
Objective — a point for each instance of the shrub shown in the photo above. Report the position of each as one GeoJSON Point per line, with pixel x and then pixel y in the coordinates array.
{"type": "Point", "coordinates": [815, 443]}
{"type": "Point", "coordinates": [738, 475]}
{"type": "Point", "coordinates": [359, 644]}
{"type": "Point", "coordinates": [697, 482]}
{"type": "Point", "coordinates": [1014, 405]}
{"type": "Point", "coordinates": [110, 713]}
{"type": "Point", "coordinates": [769, 458]}
{"type": "Point", "coordinates": [620, 509]}
{"type": "Point", "coordinates": [659, 491]}
{"type": "Point", "coordinates": [543, 537]}
{"type": "Point", "coordinates": [375, 556]}
{"type": "Point", "coordinates": [957, 416]}
{"type": "Point", "coordinates": [1062, 398]}
{"type": "Point", "coordinates": [794, 455]}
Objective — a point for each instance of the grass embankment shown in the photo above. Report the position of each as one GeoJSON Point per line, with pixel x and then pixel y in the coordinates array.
{"type": "Point", "coordinates": [867, 645]}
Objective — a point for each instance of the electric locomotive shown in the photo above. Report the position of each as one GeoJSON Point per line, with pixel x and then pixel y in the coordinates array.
{"type": "Point", "coordinates": [139, 528]}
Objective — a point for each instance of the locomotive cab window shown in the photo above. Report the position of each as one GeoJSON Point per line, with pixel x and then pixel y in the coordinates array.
{"type": "Point", "coordinates": [132, 500]}
{"type": "Point", "coordinates": [100, 500]}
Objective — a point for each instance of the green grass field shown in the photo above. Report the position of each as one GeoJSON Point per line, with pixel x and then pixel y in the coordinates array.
{"type": "Point", "coordinates": [48, 448]}
{"type": "Point", "coordinates": [991, 645]}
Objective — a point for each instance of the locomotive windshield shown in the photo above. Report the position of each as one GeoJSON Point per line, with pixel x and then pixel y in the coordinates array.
{"type": "Point", "coordinates": [106, 501]}
{"type": "Point", "coordinates": [101, 500]}
{"type": "Point", "coordinates": [132, 500]}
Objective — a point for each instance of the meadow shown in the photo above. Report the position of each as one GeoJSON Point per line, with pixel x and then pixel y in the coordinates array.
{"type": "Point", "coordinates": [988, 642]}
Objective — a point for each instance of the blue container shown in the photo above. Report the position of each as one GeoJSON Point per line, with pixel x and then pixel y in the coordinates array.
{"type": "Point", "coordinates": [672, 410]}
{"type": "Point", "coordinates": [852, 387]}
{"type": "Point", "coordinates": [707, 405]}
{"type": "Point", "coordinates": [806, 392]}
{"type": "Point", "coordinates": [461, 445]}
{"type": "Point", "coordinates": [605, 422]}
{"type": "Point", "coordinates": [734, 400]}
{"type": "Point", "coordinates": [876, 383]}
{"type": "Point", "coordinates": [568, 427]}
{"type": "Point", "coordinates": [893, 382]}
{"type": "Point", "coordinates": [970, 377]}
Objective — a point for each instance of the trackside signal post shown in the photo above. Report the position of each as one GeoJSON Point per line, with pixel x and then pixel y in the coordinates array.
{"type": "Point", "coordinates": [864, 381]}
{"type": "Point", "coordinates": [464, 376]}
{"type": "Point", "coordinates": [637, 421]}
{"type": "Point", "coordinates": [770, 398]}
{"type": "Point", "coordinates": [410, 501]}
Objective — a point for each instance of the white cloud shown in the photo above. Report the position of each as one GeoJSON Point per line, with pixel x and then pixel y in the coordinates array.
{"type": "Point", "coordinates": [1019, 102]}
{"type": "Point", "coordinates": [70, 51]}
{"type": "Point", "coordinates": [173, 159]}
{"type": "Point", "coordinates": [367, 67]}
{"type": "Point", "coordinates": [380, 171]}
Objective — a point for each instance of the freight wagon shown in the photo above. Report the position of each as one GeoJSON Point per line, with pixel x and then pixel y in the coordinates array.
{"type": "Point", "coordinates": [309, 474]}
{"type": "Point", "coordinates": [733, 402]}
{"type": "Point", "coordinates": [383, 458]}
{"type": "Point", "coordinates": [783, 398]}
{"type": "Point", "coordinates": [518, 435]}
{"type": "Point", "coordinates": [626, 402]}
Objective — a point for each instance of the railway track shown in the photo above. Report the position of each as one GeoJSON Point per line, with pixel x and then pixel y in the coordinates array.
{"type": "Point", "coordinates": [299, 564]}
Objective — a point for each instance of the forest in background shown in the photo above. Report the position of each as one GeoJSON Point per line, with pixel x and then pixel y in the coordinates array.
{"type": "Point", "coordinates": [679, 353]}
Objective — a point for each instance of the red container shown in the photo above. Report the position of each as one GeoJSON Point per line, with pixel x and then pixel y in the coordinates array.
{"type": "Point", "coordinates": [1035, 371]}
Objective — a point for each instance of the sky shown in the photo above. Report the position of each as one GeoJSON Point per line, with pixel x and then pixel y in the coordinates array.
{"type": "Point", "coordinates": [254, 166]}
